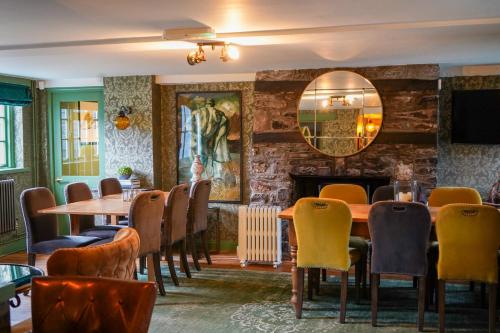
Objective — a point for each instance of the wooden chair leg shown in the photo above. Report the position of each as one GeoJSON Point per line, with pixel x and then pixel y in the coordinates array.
{"type": "Point", "coordinates": [415, 281]}
{"type": "Point", "coordinates": [441, 304]}
{"type": "Point", "coordinates": [135, 275]}
{"type": "Point", "coordinates": [300, 293]}
{"type": "Point", "coordinates": [358, 269]}
{"type": "Point", "coordinates": [142, 264]}
{"type": "Point", "coordinates": [31, 259]}
{"type": "Point", "coordinates": [204, 240]}
{"type": "Point", "coordinates": [421, 302]}
{"type": "Point", "coordinates": [492, 290]}
{"type": "Point", "coordinates": [159, 278]}
{"type": "Point", "coordinates": [317, 277]}
{"type": "Point", "coordinates": [183, 257]}
{"type": "Point", "coordinates": [171, 266]}
{"type": "Point", "coordinates": [374, 287]}
{"type": "Point", "coordinates": [483, 294]}
{"type": "Point", "coordinates": [310, 283]}
{"type": "Point", "coordinates": [364, 260]}
{"type": "Point", "coordinates": [471, 286]}
{"type": "Point", "coordinates": [343, 295]}
{"type": "Point", "coordinates": [194, 252]}
{"type": "Point", "coordinates": [323, 275]}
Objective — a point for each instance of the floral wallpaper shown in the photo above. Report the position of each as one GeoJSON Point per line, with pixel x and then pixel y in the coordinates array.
{"type": "Point", "coordinates": [475, 166]}
{"type": "Point", "coordinates": [228, 212]}
{"type": "Point", "coordinates": [133, 146]}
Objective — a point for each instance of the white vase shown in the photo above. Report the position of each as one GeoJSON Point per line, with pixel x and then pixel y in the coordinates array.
{"type": "Point", "coordinates": [196, 169]}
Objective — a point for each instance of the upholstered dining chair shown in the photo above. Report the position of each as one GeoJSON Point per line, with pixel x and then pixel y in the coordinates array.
{"type": "Point", "coordinates": [197, 219]}
{"type": "Point", "coordinates": [469, 238]}
{"type": "Point", "coordinates": [323, 227]}
{"type": "Point", "coordinates": [400, 235]}
{"type": "Point", "coordinates": [76, 192]}
{"type": "Point", "coordinates": [383, 193]}
{"type": "Point", "coordinates": [441, 196]}
{"type": "Point", "coordinates": [175, 227]}
{"type": "Point", "coordinates": [42, 229]}
{"type": "Point", "coordinates": [110, 186]}
{"type": "Point", "coordinates": [351, 194]}
{"type": "Point", "coordinates": [145, 216]}
{"type": "Point", "coordinates": [64, 304]}
{"type": "Point", "coordinates": [114, 260]}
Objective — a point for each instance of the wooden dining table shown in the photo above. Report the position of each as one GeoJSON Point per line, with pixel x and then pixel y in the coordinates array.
{"type": "Point", "coordinates": [359, 227]}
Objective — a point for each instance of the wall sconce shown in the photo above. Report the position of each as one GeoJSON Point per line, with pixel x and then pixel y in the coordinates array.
{"type": "Point", "coordinates": [122, 121]}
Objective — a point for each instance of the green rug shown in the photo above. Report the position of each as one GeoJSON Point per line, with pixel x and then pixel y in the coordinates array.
{"type": "Point", "coordinates": [224, 300]}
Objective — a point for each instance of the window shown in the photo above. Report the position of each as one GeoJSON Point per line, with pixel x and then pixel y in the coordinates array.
{"type": "Point", "coordinates": [7, 149]}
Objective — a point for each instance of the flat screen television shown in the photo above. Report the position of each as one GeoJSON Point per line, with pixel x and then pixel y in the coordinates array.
{"type": "Point", "coordinates": [475, 116]}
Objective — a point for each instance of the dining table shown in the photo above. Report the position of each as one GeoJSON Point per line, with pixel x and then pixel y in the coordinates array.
{"type": "Point", "coordinates": [110, 205]}
{"type": "Point", "coordinates": [359, 213]}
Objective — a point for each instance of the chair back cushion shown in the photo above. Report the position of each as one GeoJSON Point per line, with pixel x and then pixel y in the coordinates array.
{"type": "Point", "coordinates": [39, 227]}
{"type": "Point", "coordinates": [145, 216]}
{"type": "Point", "coordinates": [108, 186]}
{"type": "Point", "coordinates": [441, 196]}
{"type": "Point", "coordinates": [175, 215]}
{"type": "Point", "coordinates": [383, 193]}
{"type": "Point", "coordinates": [198, 206]}
{"type": "Point", "coordinates": [400, 235]}
{"type": "Point", "coordinates": [323, 227]}
{"type": "Point", "coordinates": [350, 193]}
{"type": "Point", "coordinates": [76, 192]}
{"type": "Point", "coordinates": [469, 238]}
{"type": "Point", "coordinates": [115, 259]}
{"type": "Point", "coordinates": [90, 304]}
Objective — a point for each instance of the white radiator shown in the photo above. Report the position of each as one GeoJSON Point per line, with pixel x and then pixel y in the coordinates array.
{"type": "Point", "coordinates": [259, 235]}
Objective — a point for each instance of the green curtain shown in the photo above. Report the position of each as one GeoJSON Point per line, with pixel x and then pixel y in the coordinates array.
{"type": "Point", "coordinates": [15, 94]}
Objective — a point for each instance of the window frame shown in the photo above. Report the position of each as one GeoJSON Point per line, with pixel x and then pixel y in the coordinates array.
{"type": "Point", "coordinates": [10, 152]}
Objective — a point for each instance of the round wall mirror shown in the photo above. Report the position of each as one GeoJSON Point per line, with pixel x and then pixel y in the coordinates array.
{"type": "Point", "coordinates": [340, 113]}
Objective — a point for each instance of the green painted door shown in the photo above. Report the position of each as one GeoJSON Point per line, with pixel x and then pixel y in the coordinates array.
{"type": "Point", "coordinates": [77, 127]}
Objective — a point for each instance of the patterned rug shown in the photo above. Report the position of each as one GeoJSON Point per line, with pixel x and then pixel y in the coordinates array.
{"type": "Point", "coordinates": [224, 300]}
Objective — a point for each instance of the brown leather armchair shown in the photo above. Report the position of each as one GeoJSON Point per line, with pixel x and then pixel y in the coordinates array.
{"type": "Point", "coordinates": [175, 227]}
{"type": "Point", "coordinates": [115, 259]}
{"type": "Point", "coordinates": [90, 304]}
{"type": "Point", "coordinates": [197, 219]}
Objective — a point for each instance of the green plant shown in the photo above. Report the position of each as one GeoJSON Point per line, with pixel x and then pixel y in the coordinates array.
{"type": "Point", "coordinates": [125, 171]}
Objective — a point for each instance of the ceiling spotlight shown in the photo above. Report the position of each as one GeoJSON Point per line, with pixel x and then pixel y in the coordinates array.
{"type": "Point", "coordinates": [229, 52]}
{"type": "Point", "coordinates": [196, 56]}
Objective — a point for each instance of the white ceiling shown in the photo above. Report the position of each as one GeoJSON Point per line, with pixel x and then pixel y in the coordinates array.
{"type": "Point", "coordinates": [449, 44]}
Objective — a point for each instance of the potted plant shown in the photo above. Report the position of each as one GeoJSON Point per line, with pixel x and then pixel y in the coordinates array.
{"type": "Point", "coordinates": [124, 172]}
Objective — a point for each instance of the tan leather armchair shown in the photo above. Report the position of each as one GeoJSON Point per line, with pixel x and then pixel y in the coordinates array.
{"type": "Point", "coordinates": [89, 304]}
{"type": "Point", "coordinates": [115, 259]}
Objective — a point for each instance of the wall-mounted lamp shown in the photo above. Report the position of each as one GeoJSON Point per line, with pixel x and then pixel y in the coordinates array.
{"type": "Point", "coordinates": [122, 121]}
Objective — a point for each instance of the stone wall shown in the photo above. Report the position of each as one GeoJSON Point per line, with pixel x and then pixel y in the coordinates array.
{"type": "Point", "coordinates": [409, 131]}
{"type": "Point", "coordinates": [476, 166]}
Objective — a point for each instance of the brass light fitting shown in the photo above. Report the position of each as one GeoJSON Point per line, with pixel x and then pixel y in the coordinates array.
{"type": "Point", "coordinates": [228, 52]}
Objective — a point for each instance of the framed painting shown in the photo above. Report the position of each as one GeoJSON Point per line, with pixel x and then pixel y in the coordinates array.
{"type": "Point", "coordinates": [209, 125]}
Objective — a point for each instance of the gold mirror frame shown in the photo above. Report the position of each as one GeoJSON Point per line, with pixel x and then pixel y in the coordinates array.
{"type": "Point", "coordinates": [351, 109]}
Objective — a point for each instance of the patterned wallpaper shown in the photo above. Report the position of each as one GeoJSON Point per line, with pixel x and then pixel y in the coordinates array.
{"type": "Point", "coordinates": [228, 212]}
{"type": "Point", "coordinates": [133, 146]}
{"type": "Point", "coordinates": [476, 166]}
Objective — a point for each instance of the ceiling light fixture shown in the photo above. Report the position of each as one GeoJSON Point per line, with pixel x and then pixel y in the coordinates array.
{"type": "Point", "coordinates": [228, 52]}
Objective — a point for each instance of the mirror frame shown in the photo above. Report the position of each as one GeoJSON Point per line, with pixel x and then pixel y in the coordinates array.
{"type": "Point", "coordinates": [317, 149]}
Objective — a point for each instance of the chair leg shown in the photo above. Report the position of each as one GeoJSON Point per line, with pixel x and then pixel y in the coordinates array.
{"type": "Point", "coordinates": [364, 271]}
{"type": "Point", "coordinates": [358, 275]}
{"type": "Point", "coordinates": [194, 252]}
{"type": "Point", "coordinates": [204, 240]}
{"type": "Point", "coordinates": [441, 304]}
{"type": "Point", "coordinates": [159, 278]}
{"type": "Point", "coordinates": [317, 278]}
{"type": "Point", "coordinates": [483, 294]}
{"type": "Point", "coordinates": [323, 275]}
{"type": "Point", "coordinates": [471, 286]}
{"type": "Point", "coordinates": [31, 259]}
{"type": "Point", "coordinates": [171, 266]}
{"type": "Point", "coordinates": [343, 295]}
{"type": "Point", "coordinates": [492, 290]}
{"type": "Point", "coordinates": [415, 281]}
{"type": "Point", "coordinates": [184, 260]}
{"type": "Point", "coordinates": [135, 275]}
{"type": "Point", "coordinates": [421, 302]}
{"type": "Point", "coordinates": [374, 286]}
{"type": "Point", "coordinates": [300, 293]}
{"type": "Point", "coordinates": [142, 264]}
{"type": "Point", "coordinates": [310, 283]}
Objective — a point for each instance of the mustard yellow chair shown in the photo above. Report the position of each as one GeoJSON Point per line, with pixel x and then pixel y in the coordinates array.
{"type": "Point", "coordinates": [469, 237]}
{"type": "Point", "coordinates": [323, 227]}
{"type": "Point", "coordinates": [351, 194]}
{"type": "Point", "coordinates": [441, 196]}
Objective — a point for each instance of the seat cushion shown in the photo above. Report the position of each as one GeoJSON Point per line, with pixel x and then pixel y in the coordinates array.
{"type": "Point", "coordinates": [62, 242]}
{"type": "Point", "coordinates": [359, 243]}
{"type": "Point", "coordinates": [99, 233]}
